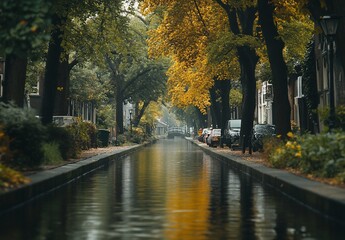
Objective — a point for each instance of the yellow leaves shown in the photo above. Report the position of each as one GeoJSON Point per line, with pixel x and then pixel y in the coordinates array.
{"type": "Point", "coordinates": [189, 85]}
{"type": "Point", "coordinates": [298, 154]}
{"type": "Point", "coordinates": [10, 178]}
{"type": "Point", "coordinates": [294, 26]}
{"type": "Point", "coordinates": [34, 28]}
{"type": "Point", "coordinates": [185, 33]}
{"type": "Point", "coordinates": [235, 97]}
{"type": "Point", "coordinates": [4, 144]}
{"type": "Point", "coordinates": [290, 134]}
{"type": "Point", "coordinates": [152, 112]}
{"type": "Point", "coordinates": [23, 22]}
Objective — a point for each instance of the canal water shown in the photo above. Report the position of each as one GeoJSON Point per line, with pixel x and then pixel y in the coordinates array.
{"type": "Point", "coordinates": [169, 190]}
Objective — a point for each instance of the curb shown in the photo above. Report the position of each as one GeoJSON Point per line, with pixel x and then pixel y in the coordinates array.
{"type": "Point", "coordinates": [324, 199]}
{"type": "Point", "coordinates": [49, 180]}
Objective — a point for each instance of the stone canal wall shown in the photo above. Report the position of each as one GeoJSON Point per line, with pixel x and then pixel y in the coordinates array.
{"type": "Point", "coordinates": [322, 198]}
{"type": "Point", "coordinates": [48, 180]}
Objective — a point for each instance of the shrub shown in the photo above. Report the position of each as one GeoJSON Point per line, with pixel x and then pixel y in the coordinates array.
{"type": "Point", "coordinates": [73, 138]}
{"type": "Point", "coordinates": [84, 134]}
{"type": "Point", "coordinates": [65, 140]}
{"type": "Point", "coordinates": [324, 154]}
{"type": "Point", "coordinates": [137, 139]}
{"type": "Point", "coordinates": [4, 145]}
{"type": "Point", "coordinates": [92, 132]}
{"type": "Point", "coordinates": [282, 154]}
{"type": "Point", "coordinates": [339, 117]}
{"type": "Point", "coordinates": [121, 139]}
{"type": "Point", "coordinates": [26, 134]}
{"type": "Point", "coordinates": [10, 178]}
{"type": "Point", "coordinates": [51, 153]}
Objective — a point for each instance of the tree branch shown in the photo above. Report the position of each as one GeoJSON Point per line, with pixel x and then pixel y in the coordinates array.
{"type": "Point", "coordinates": [72, 64]}
{"type": "Point", "coordinates": [129, 82]}
{"type": "Point", "coordinates": [201, 18]}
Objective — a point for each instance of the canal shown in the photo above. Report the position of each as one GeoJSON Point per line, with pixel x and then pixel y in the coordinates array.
{"type": "Point", "coordinates": [169, 190]}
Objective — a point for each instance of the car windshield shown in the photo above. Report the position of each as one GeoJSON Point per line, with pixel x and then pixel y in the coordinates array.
{"type": "Point", "coordinates": [217, 132]}
{"type": "Point", "coordinates": [264, 129]}
{"type": "Point", "coordinates": [235, 124]}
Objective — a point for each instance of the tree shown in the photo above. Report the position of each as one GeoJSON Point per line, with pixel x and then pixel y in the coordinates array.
{"type": "Point", "coordinates": [91, 84]}
{"type": "Point", "coordinates": [22, 29]}
{"type": "Point", "coordinates": [68, 14]}
{"type": "Point", "coordinates": [219, 29]}
{"type": "Point", "coordinates": [135, 77]}
{"type": "Point", "coordinates": [185, 33]}
{"type": "Point", "coordinates": [286, 16]}
{"type": "Point", "coordinates": [275, 46]}
{"type": "Point", "coordinates": [241, 20]}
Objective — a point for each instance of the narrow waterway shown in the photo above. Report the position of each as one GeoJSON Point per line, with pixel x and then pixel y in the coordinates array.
{"type": "Point", "coordinates": [169, 190]}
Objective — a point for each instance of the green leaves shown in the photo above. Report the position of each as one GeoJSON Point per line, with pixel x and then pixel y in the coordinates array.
{"type": "Point", "coordinates": [23, 25]}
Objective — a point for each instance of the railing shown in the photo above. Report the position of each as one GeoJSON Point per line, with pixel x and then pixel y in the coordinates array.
{"type": "Point", "coordinates": [176, 131]}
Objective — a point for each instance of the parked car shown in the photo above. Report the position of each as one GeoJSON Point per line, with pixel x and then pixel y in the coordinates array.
{"type": "Point", "coordinates": [232, 133]}
{"type": "Point", "coordinates": [261, 131]}
{"type": "Point", "coordinates": [205, 133]}
{"type": "Point", "coordinates": [213, 139]}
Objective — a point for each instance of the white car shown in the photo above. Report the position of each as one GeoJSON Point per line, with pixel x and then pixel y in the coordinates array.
{"type": "Point", "coordinates": [214, 139]}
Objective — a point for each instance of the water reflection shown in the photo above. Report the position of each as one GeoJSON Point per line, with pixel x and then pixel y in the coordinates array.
{"type": "Point", "coordinates": [171, 190]}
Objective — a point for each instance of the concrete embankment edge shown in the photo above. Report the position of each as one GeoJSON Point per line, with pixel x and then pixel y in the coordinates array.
{"type": "Point", "coordinates": [325, 199]}
{"type": "Point", "coordinates": [48, 180]}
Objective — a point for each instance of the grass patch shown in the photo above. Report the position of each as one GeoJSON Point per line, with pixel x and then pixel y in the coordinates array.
{"type": "Point", "coordinates": [51, 154]}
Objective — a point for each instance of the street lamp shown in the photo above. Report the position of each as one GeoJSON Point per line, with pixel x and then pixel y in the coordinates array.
{"type": "Point", "coordinates": [329, 25]}
{"type": "Point", "coordinates": [2, 71]}
{"type": "Point", "coordinates": [130, 120]}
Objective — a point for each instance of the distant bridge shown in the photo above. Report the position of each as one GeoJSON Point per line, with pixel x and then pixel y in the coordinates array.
{"type": "Point", "coordinates": [176, 131]}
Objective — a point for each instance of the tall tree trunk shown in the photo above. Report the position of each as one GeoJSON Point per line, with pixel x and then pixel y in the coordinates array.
{"type": "Point", "coordinates": [61, 104]}
{"type": "Point", "coordinates": [51, 72]}
{"type": "Point", "coordinates": [119, 103]}
{"type": "Point", "coordinates": [248, 60]}
{"type": "Point", "coordinates": [14, 84]}
{"type": "Point", "coordinates": [241, 22]}
{"type": "Point", "coordinates": [119, 114]}
{"type": "Point", "coordinates": [215, 108]}
{"type": "Point", "coordinates": [224, 87]}
{"type": "Point", "coordinates": [202, 119]}
{"type": "Point", "coordinates": [275, 47]}
{"type": "Point", "coordinates": [140, 113]}
{"type": "Point", "coordinates": [63, 84]}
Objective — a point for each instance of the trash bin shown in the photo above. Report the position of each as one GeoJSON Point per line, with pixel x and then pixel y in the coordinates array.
{"type": "Point", "coordinates": [103, 137]}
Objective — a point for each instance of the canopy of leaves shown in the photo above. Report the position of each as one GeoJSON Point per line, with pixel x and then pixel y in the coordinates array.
{"type": "Point", "coordinates": [23, 25]}
{"type": "Point", "coordinates": [94, 29]}
{"type": "Point", "coordinates": [152, 113]}
{"type": "Point", "coordinates": [235, 97]}
{"type": "Point", "coordinates": [145, 79]}
{"type": "Point", "coordinates": [89, 83]}
{"type": "Point", "coordinates": [295, 28]}
{"type": "Point", "coordinates": [185, 34]}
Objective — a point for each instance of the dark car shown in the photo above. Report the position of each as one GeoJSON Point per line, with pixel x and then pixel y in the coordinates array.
{"type": "Point", "coordinates": [261, 131]}
{"type": "Point", "coordinates": [232, 133]}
